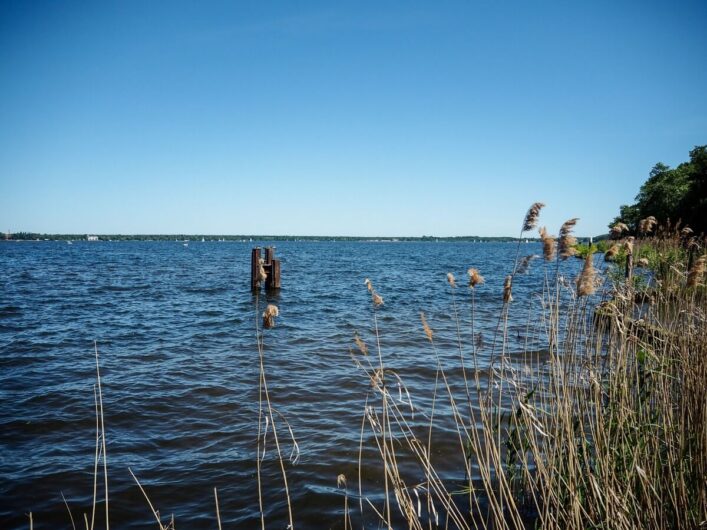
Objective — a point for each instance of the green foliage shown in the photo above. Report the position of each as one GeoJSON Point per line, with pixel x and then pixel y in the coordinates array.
{"type": "Point", "coordinates": [672, 195]}
{"type": "Point", "coordinates": [583, 249]}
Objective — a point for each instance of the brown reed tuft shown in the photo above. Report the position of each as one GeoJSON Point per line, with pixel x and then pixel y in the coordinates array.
{"type": "Point", "coordinates": [525, 263]}
{"type": "Point", "coordinates": [507, 288]}
{"type": "Point", "coordinates": [610, 255]}
{"type": "Point", "coordinates": [360, 344]}
{"type": "Point", "coordinates": [585, 282]}
{"type": "Point", "coordinates": [628, 245]}
{"type": "Point", "coordinates": [426, 327]}
{"type": "Point", "coordinates": [451, 280]}
{"type": "Point", "coordinates": [694, 277]}
{"type": "Point", "coordinates": [377, 299]}
{"type": "Point", "coordinates": [271, 311]}
{"type": "Point", "coordinates": [617, 230]}
{"type": "Point", "coordinates": [567, 239]}
{"type": "Point", "coordinates": [548, 244]}
{"type": "Point", "coordinates": [646, 225]}
{"type": "Point", "coordinates": [474, 277]}
{"type": "Point", "coordinates": [686, 232]}
{"type": "Point", "coordinates": [531, 218]}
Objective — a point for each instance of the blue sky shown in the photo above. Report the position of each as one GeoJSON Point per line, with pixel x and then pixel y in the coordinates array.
{"type": "Point", "coordinates": [380, 118]}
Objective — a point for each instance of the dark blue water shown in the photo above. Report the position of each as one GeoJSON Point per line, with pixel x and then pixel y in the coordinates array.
{"type": "Point", "coordinates": [175, 328]}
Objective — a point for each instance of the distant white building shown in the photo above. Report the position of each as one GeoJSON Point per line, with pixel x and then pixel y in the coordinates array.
{"type": "Point", "coordinates": [91, 238]}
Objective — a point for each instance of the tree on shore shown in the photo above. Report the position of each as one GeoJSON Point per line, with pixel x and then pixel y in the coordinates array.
{"type": "Point", "coordinates": [678, 194]}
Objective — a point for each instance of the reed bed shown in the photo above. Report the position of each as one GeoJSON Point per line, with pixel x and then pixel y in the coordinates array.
{"type": "Point", "coordinates": [600, 422]}
{"type": "Point", "coordinates": [602, 426]}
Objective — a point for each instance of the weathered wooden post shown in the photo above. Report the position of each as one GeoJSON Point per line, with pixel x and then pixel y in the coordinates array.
{"type": "Point", "coordinates": [254, 264]}
{"type": "Point", "coordinates": [273, 281]}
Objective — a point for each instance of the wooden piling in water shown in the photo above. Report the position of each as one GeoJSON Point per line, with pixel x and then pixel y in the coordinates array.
{"type": "Point", "coordinates": [273, 281]}
{"type": "Point", "coordinates": [271, 266]}
{"type": "Point", "coordinates": [254, 262]}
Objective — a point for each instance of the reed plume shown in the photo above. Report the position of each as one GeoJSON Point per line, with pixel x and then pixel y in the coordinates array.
{"type": "Point", "coordinates": [525, 263]}
{"type": "Point", "coordinates": [610, 255]}
{"type": "Point", "coordinates": [361, 345]}
{"type": "Point", "coordinates": [628, 246]}
{"type": "Point", "coordinates": [507, 288]}
{"type": "Point", "coordinates": [271, 311]}
{"type": "Point", "coordinates": [567, 239]}
{"type": "Point", "coordinates": [643, 262]}
{"type": "Point", "coordinates": [617, 230]}
{"type": "Point", "coordinates": [474, 277]}
{"type": "Point", "coordinates": [426, 327]}
{"type": "Point", "coordinates": [548, 244]}
{"type": "Point", "coordinates": [377, 299]}
{"type": "Point", "coordinates": [531, 218]}
{"type": "Point", "coordinates": [646, 225]}
{"type": "Point", "coordinates": [697, 271]}
{"type": "Point", "coordinates": [451, 280]}
{"type": "Point", "coordinates": [586, 284]}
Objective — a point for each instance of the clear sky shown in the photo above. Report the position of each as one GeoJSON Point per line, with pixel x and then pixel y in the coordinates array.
{"type": "Point", "coordinates": [341, 118]}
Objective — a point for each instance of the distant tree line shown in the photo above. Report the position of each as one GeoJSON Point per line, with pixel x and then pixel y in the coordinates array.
{"type": "Point", "coordinates": [33, 236]}
{"type": "Point", "coordinates": [672, 195]}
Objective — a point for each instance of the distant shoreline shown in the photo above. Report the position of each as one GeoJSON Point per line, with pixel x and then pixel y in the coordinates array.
{"type": "Point", "coordinates": [29, 236]}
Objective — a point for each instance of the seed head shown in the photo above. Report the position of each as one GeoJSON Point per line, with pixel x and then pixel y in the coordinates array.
{"type": "Point", "coordinates": [507, 287]}
{"type": "Point", "coordinates": [426, 327]}
{"type": "Point", "coordinates": [548, 244]}
{"type": "Point", "coordinates": [525, 263]}
{"type": "Point", "coordinates": [271, 311]}
{"type": "Point", "coordinates": [567, 239]}
{"type": "Point", "coordinates": [474, 278]}
{"type": "Point", "coordinates": [451, 280]}
{"type": "Point", "coordinates": [646, 225]}
{"type": "Point", "coordinates": [628, 246]}
{"type": "Point", "coordinates": [610, 255]}
{"type": "Point", "coordinates": [531, 218]}
{"type": "Point", "coordinates": [617, 230]}
{"type": "Point", "coordinates": [360, 344]}
{"type": "Point", "coordinates": [585, 282]}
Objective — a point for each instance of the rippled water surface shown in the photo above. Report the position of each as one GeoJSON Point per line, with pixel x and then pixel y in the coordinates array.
{"type": "Point", "coordinates": [175, 330]}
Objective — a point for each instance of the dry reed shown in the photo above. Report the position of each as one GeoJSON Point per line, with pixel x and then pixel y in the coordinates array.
{"type": "Point", "coordinates": [507, 288]}
{"type": "Point", "coordinates": [548, 242]}
{"type": "Point", "coordinates": [618, 230]}
{"type": "Point", "coordinates": [531, 218]}
{"type": "Point", "coordinates": [567, 241]}
{"type": "Point", "coordinates": [586, 280]}
{"type": "Point", "coordinates": [271, 311]}
{"type": "Point", "coordinates": [475, 278]}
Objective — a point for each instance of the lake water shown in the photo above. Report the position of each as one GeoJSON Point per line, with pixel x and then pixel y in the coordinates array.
{"type": "Point", "coordinates": [175, 328]}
